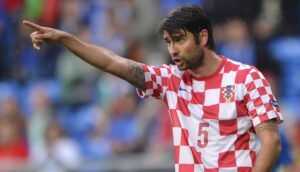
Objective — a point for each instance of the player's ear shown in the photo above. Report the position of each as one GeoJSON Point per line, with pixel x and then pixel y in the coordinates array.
{"type": "Point", "coordinates": [203, 37]}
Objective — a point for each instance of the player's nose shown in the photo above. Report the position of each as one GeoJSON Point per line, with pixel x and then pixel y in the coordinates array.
{"type": "Point", "coordinates": [173, 50]}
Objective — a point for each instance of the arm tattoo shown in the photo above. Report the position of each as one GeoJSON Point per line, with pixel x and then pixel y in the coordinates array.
{"type": "Point", "coordinates": [268, 125]}
{"type": "Point", "coordinates": [135, 75]}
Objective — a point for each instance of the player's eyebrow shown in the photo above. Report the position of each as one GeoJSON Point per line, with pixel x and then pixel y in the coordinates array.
{"type": "Point", "coordinates": [178, 34]}
{"type": "Point", "coordinates": [174, 36]}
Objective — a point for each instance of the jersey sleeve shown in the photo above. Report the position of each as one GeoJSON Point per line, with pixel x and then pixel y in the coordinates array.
{"type": "Point", "coordinates": [259, 99]}
{"type": "Point", "coordinates": [156, 80]}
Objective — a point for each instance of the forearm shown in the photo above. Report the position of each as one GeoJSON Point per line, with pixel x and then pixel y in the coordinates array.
{"type": "Point", "coordinates": [97, 56]}
{"type": "Point", "coordinates": [106, 60]}
{"type": "Point", "coordinates": [267, 156]}
{"type": "Point", "coordinates": [270, 146]}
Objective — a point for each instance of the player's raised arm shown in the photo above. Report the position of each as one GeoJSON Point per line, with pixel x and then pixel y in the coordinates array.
{"type": "Point", "coordinates": [99, 57]}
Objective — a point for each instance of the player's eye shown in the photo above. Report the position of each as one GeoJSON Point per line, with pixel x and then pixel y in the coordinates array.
{"type": "Point", "coordinates": [179, 39]}
{"type": "Point", "coordinates": [167, 41]}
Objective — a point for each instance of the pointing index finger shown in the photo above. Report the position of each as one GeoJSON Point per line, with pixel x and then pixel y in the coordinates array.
{"type": "Point", "coordinates": [33, 25]}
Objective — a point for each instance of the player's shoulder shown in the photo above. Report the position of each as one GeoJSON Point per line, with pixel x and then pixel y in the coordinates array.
{"type": "Point", "coordinates": [232, 65]}
{"type": "Point", "coordinates": [163, 69]}
{"type": "Point", "coordinates": [239, 70]}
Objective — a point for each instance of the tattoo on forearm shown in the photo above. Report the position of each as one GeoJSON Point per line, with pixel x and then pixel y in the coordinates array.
{"type": "Point", "coordinates": [135, 75]}
{"type": "Point", "coordinates": [268, 125]}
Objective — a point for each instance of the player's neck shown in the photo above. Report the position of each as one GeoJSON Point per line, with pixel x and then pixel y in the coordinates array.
{"type": "Point", "coordinates": [211, 62]}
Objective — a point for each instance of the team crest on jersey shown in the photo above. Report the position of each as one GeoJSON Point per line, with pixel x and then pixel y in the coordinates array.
{"type": "Point", "coordinates": [228, 93]}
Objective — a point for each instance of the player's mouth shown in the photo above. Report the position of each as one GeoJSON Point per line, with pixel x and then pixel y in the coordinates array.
{"type": "Point", "coordinates": [178, 62]}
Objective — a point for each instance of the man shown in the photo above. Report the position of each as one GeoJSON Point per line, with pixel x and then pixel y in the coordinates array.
{"type": "Point", "coordinates": [217, 106]}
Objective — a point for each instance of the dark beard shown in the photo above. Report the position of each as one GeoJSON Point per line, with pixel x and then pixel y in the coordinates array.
{"type": "Point", "coordinates": [196, 61]}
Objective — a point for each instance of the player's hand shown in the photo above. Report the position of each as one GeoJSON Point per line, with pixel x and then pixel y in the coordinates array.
{"type": "Point", "coordinates": [43, 34]}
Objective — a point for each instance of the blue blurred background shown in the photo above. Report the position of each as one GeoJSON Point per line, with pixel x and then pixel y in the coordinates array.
{"type": "Point", "coordinates": [57, 113]}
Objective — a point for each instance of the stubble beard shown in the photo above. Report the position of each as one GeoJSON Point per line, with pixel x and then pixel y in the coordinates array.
{"type": "Point", "coordinates": [194, 62]}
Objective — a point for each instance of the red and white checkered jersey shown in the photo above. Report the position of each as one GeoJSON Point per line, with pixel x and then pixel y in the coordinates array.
{"type": "Point", "coordinates": [213, 117]}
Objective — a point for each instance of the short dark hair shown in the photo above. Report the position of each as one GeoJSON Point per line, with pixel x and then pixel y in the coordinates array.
{"type": "Point", "coordinates": [190, 18]}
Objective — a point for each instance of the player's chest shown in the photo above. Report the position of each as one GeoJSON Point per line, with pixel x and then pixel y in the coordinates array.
{"type": "Point", "coordinates": [207, 100]}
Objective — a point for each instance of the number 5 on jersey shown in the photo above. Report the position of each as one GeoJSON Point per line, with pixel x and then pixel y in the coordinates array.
{"type": "Point", "coordinates": [203, 135]}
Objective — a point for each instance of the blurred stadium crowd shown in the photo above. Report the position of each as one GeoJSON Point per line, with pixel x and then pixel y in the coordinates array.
{"type": "Point", "coordinates": [57, 113]}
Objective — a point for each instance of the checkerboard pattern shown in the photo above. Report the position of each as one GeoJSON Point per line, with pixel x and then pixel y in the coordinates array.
{"type": "Point", "coordinates": [213, 118]}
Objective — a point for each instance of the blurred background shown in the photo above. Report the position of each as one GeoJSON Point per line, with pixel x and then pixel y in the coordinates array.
{"type": "Point", "coordinates": [59, 114]}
